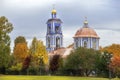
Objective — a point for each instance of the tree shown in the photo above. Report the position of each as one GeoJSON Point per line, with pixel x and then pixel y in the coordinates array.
{"type": "Point", "coordinates": [20, 39]}
{"type": "Point", "coordinates": [54, 63]}
{"type": "Point", "coordinates": [103, 61]}
{"type": "Point", "coordinates": [20, 52]}
{"type": "Point", "coordinates": [81, 60]}
{"type": "Point", "coordinates": [37, 49]}
{"type": "Point", "coordinates": [39, 57]}
{"type": "Point", "coordinates": [115, 65]}
{"type": "Point", "coordinates": [5, 28]}
{"type": "Point", "coordinates": [16, 68]}
{"type": "Point", "coordinates": [33, 46]}
{"type": "Point", "coordinates": [20, 55]}
{"type": "Point", "coordinates": [20, 49]}
{"type": "Point", "coordinates": [26, 64]}
{"type": "Point", "coordinates": [115, 50]}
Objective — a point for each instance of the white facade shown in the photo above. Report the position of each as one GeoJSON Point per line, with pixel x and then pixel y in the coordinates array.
{"type": "Point", "coordinates": [86, 42]}
{"type": "Point", "coordinates": [86, 37]}
{"type": "Point", "coordinates": [54, 37]}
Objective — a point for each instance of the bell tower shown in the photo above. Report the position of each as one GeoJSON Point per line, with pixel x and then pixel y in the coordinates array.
{"type": "Point", "coordinates": [54, 36]}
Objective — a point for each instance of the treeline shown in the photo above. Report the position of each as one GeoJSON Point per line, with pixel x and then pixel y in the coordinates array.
{"type": "Point", "coordinates": [83, 62]}
{"type": "Point", "coordinates": [24, 59]}
{"type": "Point", "coordinates": [88, 62]}
{"type": "Point", "coordinates": [34, 59]}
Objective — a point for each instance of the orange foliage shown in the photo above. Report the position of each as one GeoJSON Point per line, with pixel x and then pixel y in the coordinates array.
{"type": "Point", "coordinates": [114, 49]}
{"type": "Point", "coordinates": [115, 64]}
{"type": "Point", "coordinates": [116, 61]}
{"type": "Point", "coordinates": [20, 51]}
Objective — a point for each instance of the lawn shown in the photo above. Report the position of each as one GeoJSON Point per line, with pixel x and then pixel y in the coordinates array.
{"type": "Point", "coordinates": [49, 78]}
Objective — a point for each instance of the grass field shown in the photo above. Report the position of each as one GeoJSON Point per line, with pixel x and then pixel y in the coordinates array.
{"type": "Point", "coordinates": [50, 78]}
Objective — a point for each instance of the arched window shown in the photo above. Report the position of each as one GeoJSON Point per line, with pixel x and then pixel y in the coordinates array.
{"type": "Point", "coordinates": [49, 29]}
{"type": "Point", "coordinates": [94, 44]}
{"type": "Point", "coordinates": [57, 42]}
{"type": "Point", "coordinates": [85, 44]}
{"type": "Point", "coordinates": [76, 43]}
{"type": "Point", "coordinates": [56, 29]}
{"type": "Point", "coordinates": [48, 42]}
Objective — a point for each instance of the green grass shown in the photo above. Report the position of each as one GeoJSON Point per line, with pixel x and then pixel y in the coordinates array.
{"type": "Point", "coordinates": [19, 77]}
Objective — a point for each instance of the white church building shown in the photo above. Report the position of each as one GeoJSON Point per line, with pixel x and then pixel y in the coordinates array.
{"type": "Point", "coordinates": [86, 37]}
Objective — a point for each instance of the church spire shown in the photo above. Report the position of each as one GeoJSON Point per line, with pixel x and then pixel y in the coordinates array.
{"type": "Point", "coordinates": [85, 23]}
{"type": "Point", "coordinates": [54, 36]}
{"type": "Point", "coordinates": [53, 12]}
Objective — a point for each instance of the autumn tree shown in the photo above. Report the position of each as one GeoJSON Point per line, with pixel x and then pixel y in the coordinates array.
{"type": "Point", "coordinates": [5, 28]}
{"type": "Point", "coordinates": [20, 39]}
{"type": "Point", "coordinates": [38, 54]}
{"type": "Point", "coordinates": [20, 49]}
{"type": "Point", "coordinates": [114, 49]}
{"type": "Point", "coordinates": [33, 46]}
{"type": "Point", "coordinates": [37, 49]}
{"type": "Point", "coordinates": [54, 63]}
{"type": "Point", "coordinates": [115, 64]}
{"type": "Point", "coordinates": [21, 52]}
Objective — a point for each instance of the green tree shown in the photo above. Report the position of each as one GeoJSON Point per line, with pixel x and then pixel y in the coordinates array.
{"type": "Point", "coordinates": [5, 28]}
{"type": "Point", "coordinates": [20, 39]}
{"type": "Point", "coordinates": [102, 64]}
{"type": "Point", "coordinates": [81, 60]}
{"type": "Point", "coordinates": [16, 68]}
{"type": "Point", "coordinates": [33, 46]}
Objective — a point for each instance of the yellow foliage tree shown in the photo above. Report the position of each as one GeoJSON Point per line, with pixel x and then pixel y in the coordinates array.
{"type": "Point", "coordinates": [20, 52]}
{"type": "Point", "coordinates": [41, 52]}
{"type": "Point", "coordinates": [38, 50]}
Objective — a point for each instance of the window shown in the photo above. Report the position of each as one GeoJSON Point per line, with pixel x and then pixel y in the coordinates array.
{"type": "Point", "coordinates": [85, 44]}
{"type": "Point", "coordinates": [76, 43]}
{"type": "Point", "coordinates": [49, 29]}
{"type": "Point", "coordinates": [94, 44]}
{"type": "Point", "coordinates": [56, 29]}
{"type": "Point", "coordinates": [48, 42]}
{"type": "Point", "coordinates": [57, 42]}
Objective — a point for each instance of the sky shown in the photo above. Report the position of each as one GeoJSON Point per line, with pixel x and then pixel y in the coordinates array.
{"type": "Point", "coordinates": [29, 18]}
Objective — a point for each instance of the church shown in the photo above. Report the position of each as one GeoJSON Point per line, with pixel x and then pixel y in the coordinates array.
{"type": "Point", "coordinates": [84, 37]}
{"type": "Point", "coordinates": [54, 36]}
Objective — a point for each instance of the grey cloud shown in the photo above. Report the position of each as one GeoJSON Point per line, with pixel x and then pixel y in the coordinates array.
{"type": "Point", "coordinates": [31, 22]}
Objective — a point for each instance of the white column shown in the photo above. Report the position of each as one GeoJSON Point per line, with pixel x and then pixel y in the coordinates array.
{"type": "Point", "coordinates": [91, 43]}
{"type": "Point", "coordinates": [97, 44]}
{"type": "Point", "coordinates": [78, 42]}
{"type": "Point", "coordinates": [81, 42]}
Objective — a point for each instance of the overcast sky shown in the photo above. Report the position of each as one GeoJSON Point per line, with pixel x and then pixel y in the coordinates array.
{"type": "Point", "coordinates": [29, 18]}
